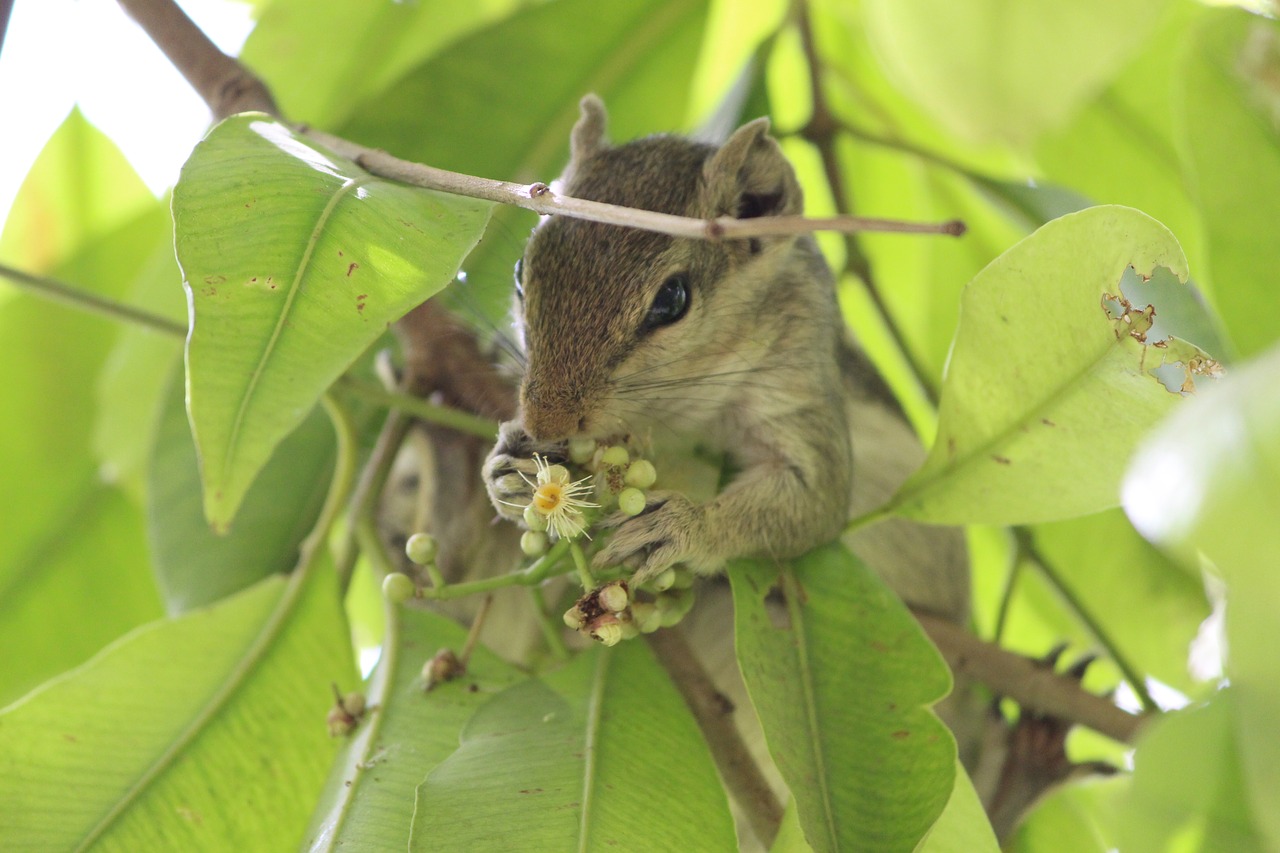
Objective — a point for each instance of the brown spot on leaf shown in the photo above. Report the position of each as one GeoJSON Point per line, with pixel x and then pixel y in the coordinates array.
{"type": "Point", "coordinates": [1047, 422]}
{"type": "Point", "coordinates": [901, 734]}
{"type": "Point", "coordinates": [1003, 460]}
{"type": "Point", "coordinates": [352, 267]}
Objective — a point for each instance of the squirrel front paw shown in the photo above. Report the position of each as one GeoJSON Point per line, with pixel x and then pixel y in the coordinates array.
{"type": "Point", "coordinates": [671, 529]}
{"type": "Point", "coordinates": [509, 470]}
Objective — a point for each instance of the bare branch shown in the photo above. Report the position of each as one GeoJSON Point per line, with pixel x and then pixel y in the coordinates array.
{"type": "Point", "coordinates": [224, 84]}
{"type": "Point", "coordinates": [714, 713]}
{"type": "Point", "coordinates": [228, 88]}
{"type": "Point", "coordinates": [1034, 687]}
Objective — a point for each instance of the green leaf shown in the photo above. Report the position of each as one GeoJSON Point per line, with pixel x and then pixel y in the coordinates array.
{"type": "Point", "coordinates": [600, 755]}
{"type": "Point", "coordinates": [1081, 817]}
{"type": "Point", "coordinates": [1208, 483]}
{"type": "Point", "coordinates": [963, 826]}
{"type": "Point", "coordinates": [203, 732]}
{"type": "Point", "coordinates": [1048, 392]}
{"type": "Point", "coordinates": [1232, 150]}
{"type": "Point", "coordinates": [295, 260]}
{"type": "Point", "coordinates": [842, 681]}
{"type": "Point", "coordinates": [503, 100]}
{"type": "Point", "coordinates": [80, 189]}
{"type": "Point", "coordinates": [994, 69]}
{"type": "Point", "coordinates": [368, 802]}
{"type": "Point", "coordinates": [73, 569]}
{"type": "Point", "coordinates": [1190, 791]}
{"type": "Point", "coordinates": [195, 566]}
{"type": "Point", "coordinates": [1114, 573]}
{"type": "Point", "coordinates": [353, 49]}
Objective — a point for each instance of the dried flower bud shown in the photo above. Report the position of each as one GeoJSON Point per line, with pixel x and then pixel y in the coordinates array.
{"type": "Point", "coordinates": [444, 666]}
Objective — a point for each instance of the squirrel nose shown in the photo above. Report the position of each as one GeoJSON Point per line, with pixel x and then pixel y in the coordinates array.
{"type": "Point", "coordinates": [549, 419]}
{"type": "Point", "coordinates": [548, 424]}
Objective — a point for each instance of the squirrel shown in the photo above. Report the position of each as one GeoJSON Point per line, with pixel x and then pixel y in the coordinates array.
{"type": "Point", "coordinates": [738, 345]}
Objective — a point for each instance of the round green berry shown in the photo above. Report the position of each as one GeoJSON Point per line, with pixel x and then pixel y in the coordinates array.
{"type": "Point", "coordinates": [641, 474]}
{"type": "Point", "coordinates": [533, 543]}
{"type": "Point", "coordinates": [421, 548]}
{"type": "Point", "coordinates": [397, 588]}
{"type": "Point", "coordinates": [534, 520]}
{"type": "Point", "coordinates": [631, 501]}
{"type": "Point", "coordinates": [616, 456]}
{"type": "Point", "coordinates": [610, 634]}
{"type": "Point", "coordinates": [581, 450]}
{"type": "Point", "coordinates": [664, 581]}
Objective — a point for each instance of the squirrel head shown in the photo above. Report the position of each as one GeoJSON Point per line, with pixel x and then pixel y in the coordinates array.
{"type": "Point", "coordinates": [624, 328]}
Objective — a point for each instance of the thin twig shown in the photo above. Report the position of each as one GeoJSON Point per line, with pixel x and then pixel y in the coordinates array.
{"type": "Point", "coordinates": [552, 628]}
{"type": "Point", "coordinates": [822, 130]}
{"type": "Point", "coordinates": [418, 408]}
{"type": "Point", "coordinates": [6, 9]}
{"type": "Point", "coordinates": [1028, 547]}
{"type": "Point", "coordinates": [67, 294]}
{"type": "Point", "coordinates": [1032, 686]}
{"type": "Point", "coordinates": [365, 498]}
{"type": "Point", "coordinates": [548, 565]}
{"type": "Point", "coordinates": [714, 714]}
{"type": "Point", "coordinates": [227, 87]}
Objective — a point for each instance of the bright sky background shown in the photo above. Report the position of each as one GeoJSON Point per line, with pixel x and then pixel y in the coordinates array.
{"type": "Point", "coordinates": [61, 52]}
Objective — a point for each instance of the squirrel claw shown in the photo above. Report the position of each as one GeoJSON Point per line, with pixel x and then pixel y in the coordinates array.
{"type": "Point", "coordinates": [667, 532]}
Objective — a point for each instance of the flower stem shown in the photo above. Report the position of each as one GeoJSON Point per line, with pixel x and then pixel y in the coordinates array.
{"type": "Point", "coordinates": [546, 566]}
{"type": "Point", "coordinates": [585, 577]}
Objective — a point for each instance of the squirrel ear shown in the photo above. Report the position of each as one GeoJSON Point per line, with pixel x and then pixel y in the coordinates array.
{"type": "Point", "coordinates": [749, 177]}
{"type": "Point", "coordinates": [588, 136]}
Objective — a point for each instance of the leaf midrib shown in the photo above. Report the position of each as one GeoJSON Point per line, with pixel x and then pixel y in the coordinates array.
{"type": "Point", "coordinates": [304, 264]}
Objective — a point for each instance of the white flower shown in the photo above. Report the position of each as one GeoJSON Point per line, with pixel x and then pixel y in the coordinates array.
{"type": "Point", "coordinates": [559, 500]}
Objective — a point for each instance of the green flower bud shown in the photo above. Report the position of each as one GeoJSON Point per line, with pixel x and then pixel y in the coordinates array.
{"type": "Point", "coordinates": [556, 474]}
{"type": "Point", "coordinates": [631, 501]}
{"type": "Point", "coordinates": [398, 588]}
{"type": "Point", "coordinates": [610, 634]}
{"type": "Point", "coordinates": [581, 450]}
{"type": "Point", "coordinates": [421, 548]}
{"type": "Point", "coordinates": [616, 456]}
{"type": "Point", "coordinates": [674, 607]}
{"type": "Point", "coordinates": [614, 597]}
{"type": "Point", "coordinates": [573, 617]}
{"type": "Point", "coordinates": [646, 617]}
{"type": "Point", "coordinates": [533, 543]}
{"type": "Point", "coordinates": [534, 520]}
{"type": "Point", "coordinates": [641, 474]}
{"type": "Point", "coordinates": [664, 581]}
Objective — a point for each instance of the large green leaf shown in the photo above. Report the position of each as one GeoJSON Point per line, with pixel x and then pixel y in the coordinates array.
{"type": "Point", "coordinates": [995, 69]}
{"type": "Point", "coordinates": [600, 755]}
{"type": "Point", "coordinates": [1189, 789]}
{"type": "Point", "coordinates": [368, 803]}
{"type": "Point", "coordinates": [195, 566]}
{"type": "Point", "coordinates": [295, 260]}
{"type": "Point", "coordinates": [203, 732]}
{"type": "Point", "coordinates": [1114, 573]}
{"type": "Point", "coordinates": [1047, 392]}
{"type": "Point", "coordinates": [80, 188]}
{"type": "Point", "coordinates": [963, 826]}
{"type": "Point", "coordinates": [1232, 147]}
{"type": "Point", "coordinates": [352, 49]}
{"type": "Point", "coordinates": [73, 569]}
{"type": "Point", "coordinates": [1208, 483]}
{"type": "Point", "coordinates": [503, 100]}
{"type": "Point", "coordinates": [842, 681]}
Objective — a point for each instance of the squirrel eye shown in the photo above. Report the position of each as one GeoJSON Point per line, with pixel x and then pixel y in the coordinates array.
{"type": "Point", "coordinates": [670, 304]}
{"type": "Point", "coordinates": [520, 279]}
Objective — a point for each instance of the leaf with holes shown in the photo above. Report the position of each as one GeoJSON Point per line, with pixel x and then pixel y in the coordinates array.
{"type": "Point", "coordinates": [842, 677]}
{"type": "Point", "coordinates": [294, 260]}
{"type": "Point", "coordinates": [1055, 375]}
{"type": "Point", "coordinates": [601, 755]}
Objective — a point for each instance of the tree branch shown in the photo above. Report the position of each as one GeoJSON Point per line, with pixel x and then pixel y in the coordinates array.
{"type": "Point", "coordinates": [714, 714]}
{"type": "Point", "coordinates": [1033, 687]}
{"type": "Point", "coordinates": [227, 87]}
{"type": "Point", "coordinates": [224, 84]}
